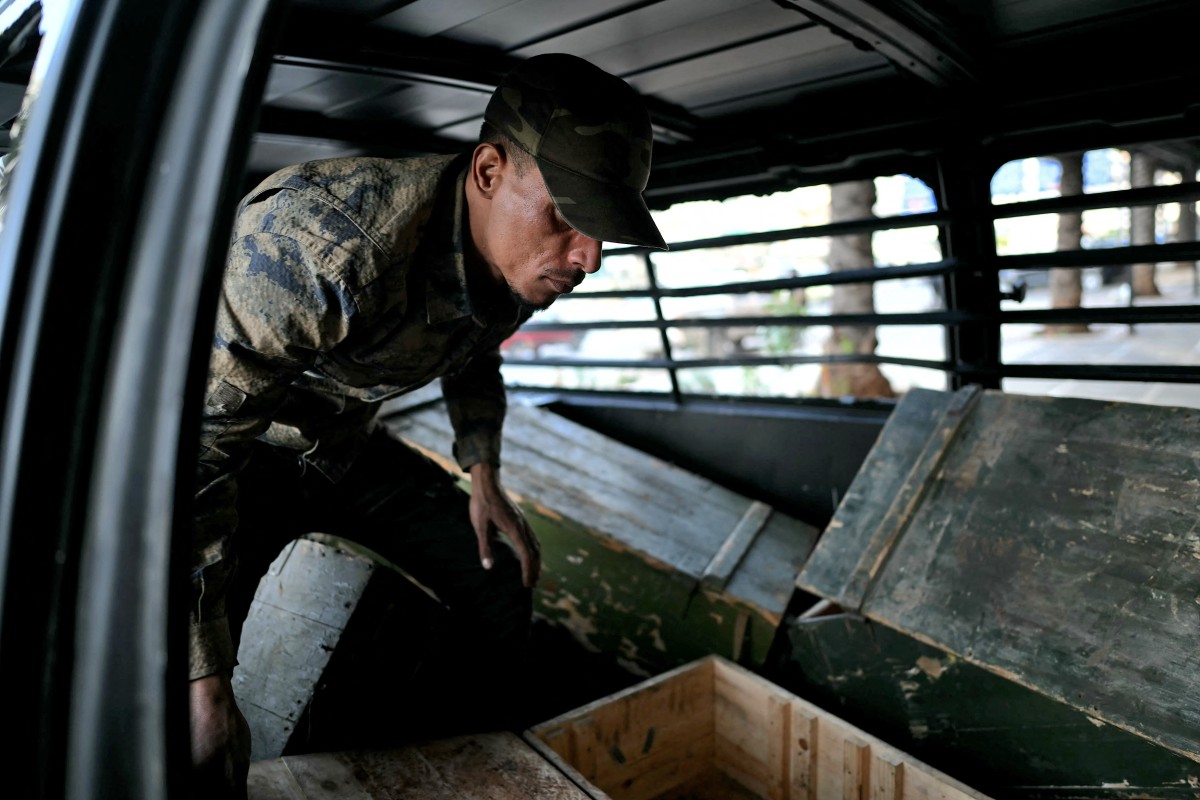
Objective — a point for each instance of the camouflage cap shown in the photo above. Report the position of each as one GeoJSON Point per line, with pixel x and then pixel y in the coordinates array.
{"type": "Point", "coordinates": [590, 135]}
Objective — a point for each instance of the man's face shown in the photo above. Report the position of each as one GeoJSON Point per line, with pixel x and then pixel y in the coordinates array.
{"type": "Point", "coordinates": [528, 242]}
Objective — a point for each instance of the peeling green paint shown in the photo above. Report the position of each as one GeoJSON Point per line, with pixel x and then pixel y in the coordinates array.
{"type": "Point", "coordinates": [615, 600]}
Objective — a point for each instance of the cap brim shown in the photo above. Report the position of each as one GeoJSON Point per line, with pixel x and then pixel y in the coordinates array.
{"type": "Point", "coordinates": [602, 211]}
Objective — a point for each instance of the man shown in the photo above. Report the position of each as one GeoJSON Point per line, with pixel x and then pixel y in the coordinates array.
{"type": "Point", "coordinates": [352, 280]}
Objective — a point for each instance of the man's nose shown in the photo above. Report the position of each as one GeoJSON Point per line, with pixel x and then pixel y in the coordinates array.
{"type": "Point", "coordinates": [585, 252]}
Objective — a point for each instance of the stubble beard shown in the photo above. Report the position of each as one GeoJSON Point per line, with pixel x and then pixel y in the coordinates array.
{"type": "Point", "coordinates": [525, 304]}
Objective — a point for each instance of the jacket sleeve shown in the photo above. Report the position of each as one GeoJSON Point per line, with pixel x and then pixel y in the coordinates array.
{"type": "Point", "coordinates": [476, 403]}
{"type": "Point", "coordinates": [280, 307]}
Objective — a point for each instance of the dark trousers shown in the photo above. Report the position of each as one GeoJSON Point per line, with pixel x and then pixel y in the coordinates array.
{"type": "Point", "coordinates": [409, 510]}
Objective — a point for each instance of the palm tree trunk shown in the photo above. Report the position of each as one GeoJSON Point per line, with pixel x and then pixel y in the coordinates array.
{"type": "Point", "coordinates": [1186, 232]}
{"type": "Point", "coordinates": [1066, 283]}
{"type": "Point", "coordinates": [849, 201]}
{"type": "Point", "coordinates": [1142, 225]}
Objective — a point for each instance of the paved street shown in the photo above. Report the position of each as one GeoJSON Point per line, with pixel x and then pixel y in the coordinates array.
{"type": "Point", "coordinates": [1113, 344]}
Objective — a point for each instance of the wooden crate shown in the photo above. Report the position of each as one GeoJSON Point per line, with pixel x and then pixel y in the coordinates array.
{"type": "Point", "coordinates": [1052, 541]}
{"type": "Point", "coordinates": [711, 729]}
{"type": "Point", "coordinates": [642, 559]}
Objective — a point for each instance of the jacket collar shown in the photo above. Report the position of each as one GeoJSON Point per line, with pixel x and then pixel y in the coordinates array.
{"type": "Point", "coordinates": [447, 291]}
{"type": "Point", "coordinates": [450, 294]}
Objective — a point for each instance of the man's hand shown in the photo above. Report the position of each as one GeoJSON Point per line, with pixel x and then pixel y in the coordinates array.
{"type": "Point", "coordinates": [220, 740]}
{"type": "Point", "coordinates": [491, 509]}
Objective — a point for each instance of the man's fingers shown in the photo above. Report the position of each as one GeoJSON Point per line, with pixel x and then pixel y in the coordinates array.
{"type": "Point", "coordinates": [497, 514]}
{"type": "Point", "coordinates": [485, 545]}
{"type": "Point", "coordinates": [531, 556]}
{"type": "Point", "coordinates": [516, 529]}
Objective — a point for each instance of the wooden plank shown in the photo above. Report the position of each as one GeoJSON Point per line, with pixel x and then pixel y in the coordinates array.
{"type": "Point", "coordinates": [805, 730]}
{"type": "Point", "coordinates": [779, 747]}
{"type": "Point", "coordinates": [565, 766]}
{"type": "Point", "coordinates": [272, 780]}
{"type": "Point", "coordinates": [743, 736]}
{"type": "Point", "coordinates": [765, 579]}
{"type": "Point", "coordinates": [870, 495]}
{"type": "Point", "coordinates": [299, 613]}
{"type": "Point", "coordinates": [497, 766]}
{"type": "Point", "coordinates": [727, 558]}
{"type": "Point", "coordinates": [1058, 546]}
{"type": "Point", "coordinates": [856, 768]}
{"type": "Point", "coordinates": [402, 772]}
{"type": "Point", "coordinates": [326, 776]}
{"type": "Point", "coordinates": [582, 745]}
{"type": "Point", "coordinates": [712, 784]}
{"type": "Point", "coordinates": [887, 778]}
{"type": "Point", "coordinates": [910, 494]}
{"type": "Point", "coordinates": [493, 766]}
{"type": "Point", "coordinates": [639, 743]}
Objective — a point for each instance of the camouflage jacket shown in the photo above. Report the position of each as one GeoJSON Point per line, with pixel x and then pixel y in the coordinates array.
{"type": "Point", "coordinates": [345, 284]}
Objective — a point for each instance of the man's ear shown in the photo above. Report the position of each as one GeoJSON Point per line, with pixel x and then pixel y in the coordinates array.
{"type": "Point", "coordinates": [487, 164]}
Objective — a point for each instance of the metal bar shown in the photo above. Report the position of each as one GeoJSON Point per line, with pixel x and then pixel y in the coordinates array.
{"type": "Point", "coordinates": [731, 361]}
{"type": "Point", "coordinates": [373, 64]}
{"type": "Point", "coordinates": [310, 42]}
{"type": "Point", "coordinates": [938, 61]}
{"type": "Point", "coordinates": [724, 47]}
{"type": "Point", "coordinates": [1154, 373]}
{"type": "Point", "coordinates": [775, 406]}
{"type": "Point", "coordinates": [869, 275]}
{"type": "Point", "coordinates": [810, 232]}
{"type": "Point", "coordinates": [652, 279]}
{"type": "Point", "coordinates": [926, 318]}
{"type": "Point", "coordinates": [385, 138]}
{"type": "Point", "coordinates": [580, 25]}
{"type": "Point", "coordinates": [965, 190]}
{"type": "Point", "coordinates": [1139, 315]}
{"type": "Point", "coordinates": [1042, 129]}
{"type": "Point", "coordinates": [1143, 196]}
{"type": "Point", "coordinates": [1134, 254]}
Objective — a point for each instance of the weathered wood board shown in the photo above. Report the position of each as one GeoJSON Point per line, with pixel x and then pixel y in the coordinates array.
{"type": "Point", "coordinates": [493, 766]}
{"type": "Point", "coordinates": [334, 632]}
{"type": "Point", "coordinates": [641, 558]}
{"type": "Point", "coordinates": [712, 729]}
{"type": "Point", "coordinates": [295, 622]}
{"type": "Point", "coordinates": [1054, 541]}
{"type": "Point", "coordinates": [854, 531]}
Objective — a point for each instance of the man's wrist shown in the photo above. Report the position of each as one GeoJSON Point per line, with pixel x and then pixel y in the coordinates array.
{"type": "Point", "coordinates": [483, 469]}
{"type": "Point", "coordinates": [210, 648]}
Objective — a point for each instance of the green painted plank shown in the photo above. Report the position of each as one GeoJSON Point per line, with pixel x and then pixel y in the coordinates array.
{"type": "Point", "coordinates": [848, 537]}
{"type": "Point", "coordinates": [1004, 739]}
{"type": "Point", "coordinates": [652, 619]}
